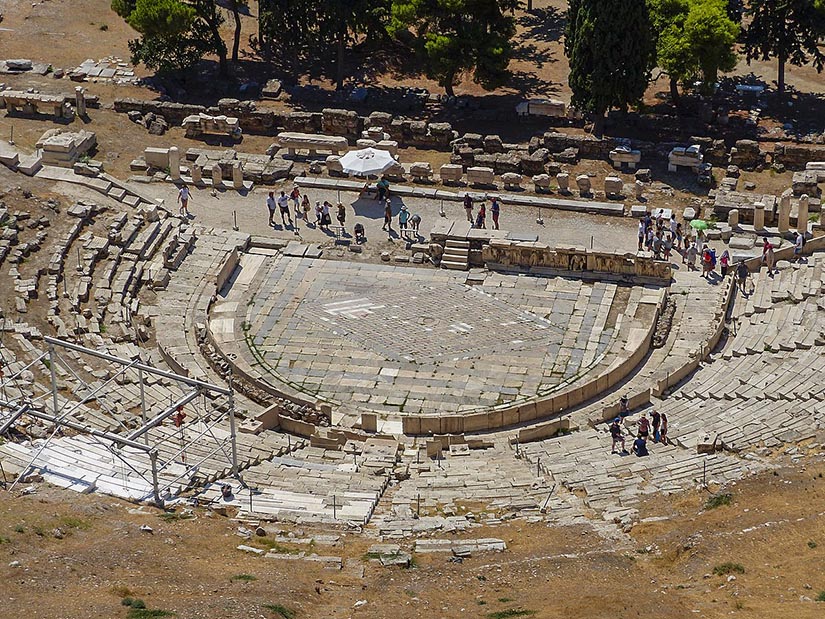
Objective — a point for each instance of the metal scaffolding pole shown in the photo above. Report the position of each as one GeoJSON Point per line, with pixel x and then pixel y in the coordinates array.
{"type": "Point", "coordinates": [232, 436]}
{"type": "Point", "coordinates": [155, 421]}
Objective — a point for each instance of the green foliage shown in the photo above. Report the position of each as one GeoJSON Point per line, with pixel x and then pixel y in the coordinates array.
{"type": "Point", "coordinates": [724, 569]}
{"type": "Point", "coordinates": [175, 34]}
{"type": "Point", "coordinates": [243, 578]}
{"type": "Point", "coordinates": [282, 611]}
{"type": "Point", "coordinates": [458, 36]}
{"type": "Point", "coordinates": [820, 597]}
{"type": "Point", "coordinates": [788, 30]}
{"type": "Point", "coordinates": [611, 49]}
{"type": "Point", "coordinates": [161, 18]}
{"type": "Point", "coordinates": [511, 612]}
{"type": "Point", "coordinates": [718, 500]}
{"type": "Point", "coordinates": [812, 544]}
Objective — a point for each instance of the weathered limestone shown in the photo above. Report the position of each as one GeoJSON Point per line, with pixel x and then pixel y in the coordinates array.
{"type": "Point", "coordinates": [542, 107]}
{"type": "Point", "coordinates": [391, 146]}
{"type": "Point", "coordinates": [217, 178]}
{"type": "Point", "coordinates": [563, 179]}
{"type": "Point", "coordinates": [759, 216]}
{"type": "Point", "coordinates": [294, 142]}
{"type": "Point", "coordinates": [622, 157]}
{"type": "Point", "coordinates": [64, 149]}
{"type": "Point", "coordinates": [511, 180]}
{"type": "Point", "coordinates": [197, 175]}
{"type": "Point", "coordinates": [802, 214]}
{"type": "Point", "coordinates": [421, 171]}
{"type": "Point", "coordinates": [542, 182]}
{"type": "Point", "coordinates": [640, 188]}
{"type": "Point", "coordinates": [174, 163]}
{"type": "Point", "coordinates": [450, 173]}
{"type": "Point", "coordinates": [156, 157]}
{"type": "Point", "coordinates": [688, 157]}
{"type": "Point", "coordinates": [584, 185]}
{"type": "Point", "coordinates": [36, 103]}
{"type": "Point", "coordinates": [613, 186]}
{"type": "Point", "coordinates": [479, 175]}
{"type": "Point", "coordinates": [80, 101]}
{"type": "Point", "coordinates": [198, 124]}
{"type": "Point", "coordinates": [784, 219]}
{"type": "Point", "coordinates": [806, 182]}
{"type": "Point", "coordinates": [237, 175]}
{"type": "Point", "coordinates": [334, 166]}
{"type": "Point", "coordinates": [733, 217]}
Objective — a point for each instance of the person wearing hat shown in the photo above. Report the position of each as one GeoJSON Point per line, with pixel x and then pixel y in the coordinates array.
{"type": "Point", "coordinates": [403, 217]}
{"type": "Point", "coordinates": [617, 435]}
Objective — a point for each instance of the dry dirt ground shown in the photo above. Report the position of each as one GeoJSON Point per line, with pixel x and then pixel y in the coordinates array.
{"type": "Point", "coordinates": [772, 535]}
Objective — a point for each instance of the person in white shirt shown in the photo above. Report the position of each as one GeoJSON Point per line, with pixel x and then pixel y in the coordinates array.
{"type": "Point", "coordinates": [283, 204]}
{"type": "Point", "coordinates": [183, 200]}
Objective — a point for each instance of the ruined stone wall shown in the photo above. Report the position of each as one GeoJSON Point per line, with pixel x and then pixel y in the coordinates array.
{"type": "Point", "coordinates": [523, 255]}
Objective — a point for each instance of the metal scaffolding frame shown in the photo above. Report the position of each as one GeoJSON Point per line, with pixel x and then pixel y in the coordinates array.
{"type": "Point", "coordinates": [141, 439]}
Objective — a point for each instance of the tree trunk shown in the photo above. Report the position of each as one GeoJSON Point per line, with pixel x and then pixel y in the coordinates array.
{"type": "Point", "coordinates": [780, 77]}
{"type": "Point", "coordinates": [598, 125]}
{"type": "Point", "coordinates": [236, 43]}
{"type": "Point", "coordinates": [674, 92]}
{"type": "Point", "coordinates": [217, 42]}
{"type": "Point", "coordinates": [448, 87]}
{"type": "Point", "coordinates": [339, 82]}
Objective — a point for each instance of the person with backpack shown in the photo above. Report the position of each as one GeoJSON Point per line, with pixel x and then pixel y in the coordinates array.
{"type": "Point", "coordinates": [707, 262]}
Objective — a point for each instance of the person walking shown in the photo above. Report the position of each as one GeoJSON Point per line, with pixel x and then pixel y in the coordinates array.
{"type": "Point", "coordinates": [342, 214]}
{"type": "Point", "coordinates": [641, 233]}
{"type": "Point", "coordinates": [798, 246]}
{"type": "Point", "coordinates": [319, 210]}
{"type": "Point", "coordinates": [283, 205]}
{"type": "Point", "coordinates": [383, 187]}
{"type": "Point", "coordinates": [305, 208]}
{"type": "Point", "coordinates": [691, 253]}
{"type": "Point", "coordinates": [678, 242]}
{"type": "Point", "coordinates": [295, 197]}
{"type": "Point", "coordinates": [468, 207]}
{"type": "Point", "coordinates": [326, 218]}
{"type": "Point", "coordinates": [742, 274]}
{"type": "Point", "coordinates": [724, 262]}
{"type": "Point", "coordinates": [617, 435]}
{"type": "Point", "coordinates": [667, 246]}
{"type": "Point", "coordinates": [663, 430]}
{"type": "Point", "coordinates": [656, 421]}
{"type": "Point", "coordinates": [495, 209]}
{"type": "Point", "coordinates": [482, 215]}
{"type": "Point", "coordinates": [272, 206]}
{"type": "Point", "coordinates": [183, 199]}
{"type": "Point", "coordinates": [387, 217]}
{"type": "Point", "coordinates": [768, 256]}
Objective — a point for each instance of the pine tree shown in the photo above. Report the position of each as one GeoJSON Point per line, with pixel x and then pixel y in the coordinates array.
{"type": "Point", "coordinates": [611, 51]}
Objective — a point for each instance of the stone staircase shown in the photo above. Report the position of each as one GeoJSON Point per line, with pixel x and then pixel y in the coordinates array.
{"type": "Point", "coordinates": [456, 255]}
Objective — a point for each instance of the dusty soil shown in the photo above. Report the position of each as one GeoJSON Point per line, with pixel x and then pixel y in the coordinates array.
{"type": "Point", "coordinates": [773, 530]}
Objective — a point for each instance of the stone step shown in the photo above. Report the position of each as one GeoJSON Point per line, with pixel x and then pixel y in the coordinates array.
{"type": "Point", "coordinates": [454, 243]}
{"type": "Point", "coordinates": [454, 266]}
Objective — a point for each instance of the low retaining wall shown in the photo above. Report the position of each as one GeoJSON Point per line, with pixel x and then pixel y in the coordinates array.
{"type": "Point", "coordinates": [544, 408]}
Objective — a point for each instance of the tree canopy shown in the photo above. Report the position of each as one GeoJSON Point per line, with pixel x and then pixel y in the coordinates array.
{"type": "Point", "coordinates": [175, 34]}
{"type": "Point", "coordinates": [611, 50]}
{"type": "Point", "coordinates": [458, 36]}
{"type": "Point", "coordinates": [788, 30]}
{"type": "Point", "coordinates": [695, 40]}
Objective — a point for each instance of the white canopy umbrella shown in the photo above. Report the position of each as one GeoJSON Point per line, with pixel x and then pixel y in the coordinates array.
{"type": "Point", "coordinates": [366, 161]}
